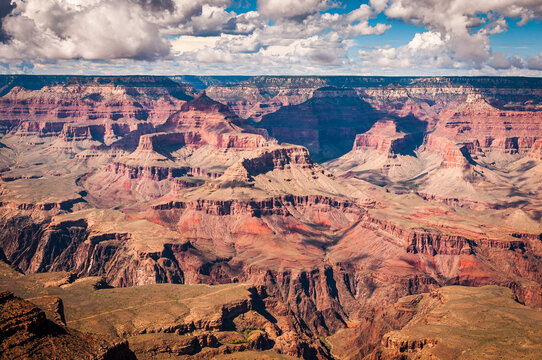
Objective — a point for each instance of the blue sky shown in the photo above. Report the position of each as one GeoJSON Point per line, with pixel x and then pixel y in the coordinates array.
{"type": "Point", "coordinates": [520, 40]}
{"type": "Point", "coordinates": [376, 37]}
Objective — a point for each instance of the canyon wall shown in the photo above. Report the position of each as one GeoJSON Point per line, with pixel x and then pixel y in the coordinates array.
{"type": "Point", "coordinates": [427, 182]}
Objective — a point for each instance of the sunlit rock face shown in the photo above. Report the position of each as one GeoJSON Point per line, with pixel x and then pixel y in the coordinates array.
{"type": "Point", "coordinates": [328, 198]}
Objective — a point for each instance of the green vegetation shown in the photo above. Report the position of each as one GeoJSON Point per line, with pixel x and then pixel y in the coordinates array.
{"type": "Point", "coordinates": [325, 343]}
{"type": "Point", "coordinates": [237, 341]}
{"type": "Point", "coordinates": [412, 186]}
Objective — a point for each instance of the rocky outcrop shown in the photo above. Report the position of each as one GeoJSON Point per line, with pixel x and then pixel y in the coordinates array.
{"type": "Point", "coordinates": [483, 128]}
{"type": "Point", "coordinates": [266, 207]}
{"type": "Point", "coordinates": [382, 137]}
{"type": "Point", "coordinates": [326, 124]}
{"type": "Point", "coordinates": [436, 326]}
{"type": "Point", "coordinates": [26, 332]}
{"type": "Point", "coordinates": [81, 132]}
{"type": "Point", "coordinates": [203, 121]}
{"type": "Point", "coordinates": [277, 158]}
{"type": "Point", "coordinates": [165, 141]}
{"type": "Point", "coordinates": [178, 346]}
{"type": "Point", "coordinates": [53, 308]}
{"type": "Point", "coordinates": [453, 155]}
{"type": "Point", "coordinates": [401, 345]}
{"type": "Point", "coordinates": [71, 245]}
{"type": "Point", "coordinates": [54, 207]}
{"type": "Point", "coordinates": [434, 242]}
{"type": "Point", "coordinates": [157, 173]}
{"type": "Point", "coordinates": [459, 202]}
{"type": "Point", "coordinates": [40, 129]}
{"type": "Point", "coordinates": [96, 98]}
{"type": "Point", "coordinates": [536, 150]}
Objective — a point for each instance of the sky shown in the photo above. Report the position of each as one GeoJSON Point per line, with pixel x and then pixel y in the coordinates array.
{"type": "Point", "coordinates": [272, 37]}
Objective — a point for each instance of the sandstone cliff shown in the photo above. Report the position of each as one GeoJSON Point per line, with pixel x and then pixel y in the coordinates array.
{"type": "Point", "coordinates": [431, 182]}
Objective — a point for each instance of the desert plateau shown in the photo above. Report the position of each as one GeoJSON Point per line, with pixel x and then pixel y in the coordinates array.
{"type": "Point", "coordinates": [270, 180]}
{"type": "Point", "coordinates": [270, 217]}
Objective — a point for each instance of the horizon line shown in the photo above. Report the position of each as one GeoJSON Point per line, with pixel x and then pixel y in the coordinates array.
{"type": "Point", "coordinates": [285, 75]}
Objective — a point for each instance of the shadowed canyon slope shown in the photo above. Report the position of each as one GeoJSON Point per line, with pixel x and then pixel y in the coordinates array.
{"type": "Point", "coordinates": [310, 204]}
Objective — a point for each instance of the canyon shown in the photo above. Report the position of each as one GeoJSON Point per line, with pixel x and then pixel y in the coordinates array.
{"type": "Point", "coordinates": [273, 217]}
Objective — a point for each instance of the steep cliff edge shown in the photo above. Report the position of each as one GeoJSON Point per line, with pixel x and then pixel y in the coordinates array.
{"type": "Point", "coordinates": [472, 155]}
{"type": "Point", "coordinates": [27, 333]}
{"type": "Point", "coordinates": [326, 124]}
{"type": "Point", "coordinates": [197, 197]}
{"type": "Point", "coordinates": [445, 324]}
{"type": "Point", "coordinates": [383, 137]}
{"type": "Point", "coordinates": [198, 321]}
{"type": "Point", "coordinates": [95, 98]}
{"type": "Point", "coordinates": [483, 128]}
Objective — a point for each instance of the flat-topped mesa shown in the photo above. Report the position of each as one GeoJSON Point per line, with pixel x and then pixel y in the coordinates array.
{"type": "Point", "coordinates": [162, 141]}
{"type": "Point", "coordinates": [278, 205]}
{"type": "Point", "coordinates": [454, 155]}
{"type": "Point", "coordinates": [484, 128]}
{"type": "Point", "coordinates": [158, 173]}
{"type": "Point", "coordinates": [383, 137]}
{"type": "Point", "coordinates": [81, 132]}
{"type": "Point", "coordinates": [278, 158]}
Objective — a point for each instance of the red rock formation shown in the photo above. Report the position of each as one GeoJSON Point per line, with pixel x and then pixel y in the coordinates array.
{"type": "Point", "coordinates": [536, 150]}
{"type": "Point", "coordinates": [204, 121]}
{"type": "Point", "coordinates": [84, 99]}
{"type": "Point", "coordinates": [483, 128]}
{"type": "Point", "coordinates": [269, 160]}
{"type": "Point", "coordinates": [383, 136]}
{"type": "Point", "coordinates": [157, 141]}
{"type": "Point", "coordinates": [266, 207]}
{"type": "Point", "coordinates": [157, 173]}
{"type": "Point", "coordinates": [25, 332]}
{"type": "Point", "coordinates": [454, 155]}
{"type": "Point", "coordinates": [326, 251]}
{"type": "Point", "coordinates": [326, 124]}
{"type": "Point", "coordinates": [249, 101]}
